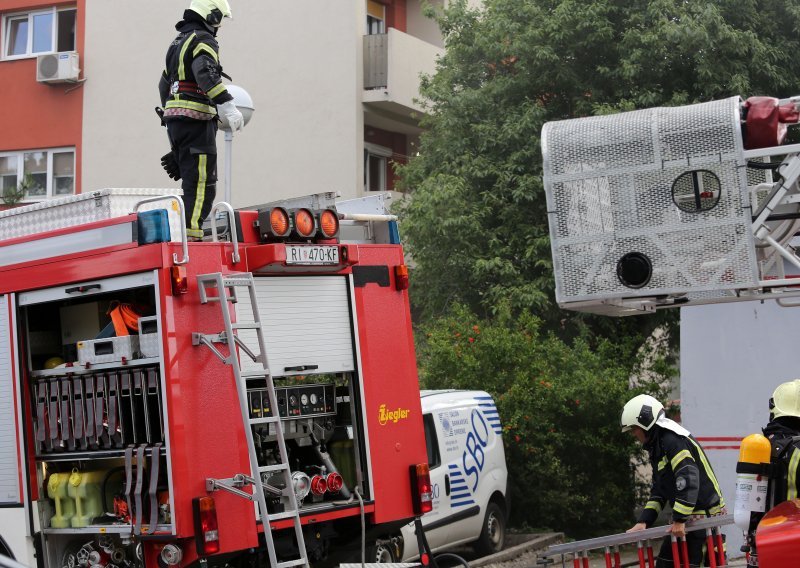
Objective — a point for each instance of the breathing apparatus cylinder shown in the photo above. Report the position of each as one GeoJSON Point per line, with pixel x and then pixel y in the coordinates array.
{"type": "Point", "coordinates": [751, 481]}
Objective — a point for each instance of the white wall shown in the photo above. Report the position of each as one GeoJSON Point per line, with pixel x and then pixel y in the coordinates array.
{"type": "Point", "coordinates": [300, 60]}
{"type": "Point", "coordinates": [408, 58]}
{"type": "Point", "coordinates": [732, 358]}
{"type": "Point", "coordinates": [419, 26]}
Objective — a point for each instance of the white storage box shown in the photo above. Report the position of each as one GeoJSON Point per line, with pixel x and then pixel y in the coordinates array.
{"type": "Point", "coordinates": [108, 350]}
{"type": "Point", "coordinates": [76, 210]}
{"type": "Point", "coordinates": [148, 337]}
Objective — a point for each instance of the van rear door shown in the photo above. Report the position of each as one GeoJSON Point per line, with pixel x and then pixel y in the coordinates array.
{"type": "Point", "coordinates": [437, 529]}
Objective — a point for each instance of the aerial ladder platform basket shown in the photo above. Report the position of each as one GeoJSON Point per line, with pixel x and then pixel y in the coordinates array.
{"type": "Point", "coordinates": [674, 206]}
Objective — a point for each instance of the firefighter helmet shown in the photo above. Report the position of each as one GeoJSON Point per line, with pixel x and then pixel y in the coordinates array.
{"type": "Point", "coordinates": [642, 410]}
{"type": "Point", "coordinates": [785, 400]}
{"type": "Point", "coordinates": [212, 11]}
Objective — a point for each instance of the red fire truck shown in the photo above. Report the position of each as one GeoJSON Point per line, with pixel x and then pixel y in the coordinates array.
{"type": "Point", "coordinates": [251, 399]}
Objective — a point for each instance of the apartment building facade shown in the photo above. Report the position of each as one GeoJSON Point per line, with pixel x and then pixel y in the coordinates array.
{"type": "Point", "coordinates": [334, 85]}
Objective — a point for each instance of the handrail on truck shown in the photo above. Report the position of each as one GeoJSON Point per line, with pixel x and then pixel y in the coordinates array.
{"type": "Point", "coordinates": [231, 227]}
{"type": "Point", "coordinates": [184, 240]}
{"type": "Point", "coordinates": [580, 549]}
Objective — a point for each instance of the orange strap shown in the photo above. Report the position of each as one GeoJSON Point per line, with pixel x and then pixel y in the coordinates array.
{"type": "Point", "coordinates": [124, 317]}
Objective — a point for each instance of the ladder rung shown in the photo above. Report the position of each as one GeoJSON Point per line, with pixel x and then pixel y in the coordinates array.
{"type": "Point", "coordinates": [260, 374]}
{"type": "Point", "coordinates": [276, 467]}
{"type": "Point", "coordinates": [230, 282]}
{"type": "Point", "coordinates": [282, 516]}
{"type": "Point", "coordinates": [267, 420]}
{"type": "Point", "coordinates": [289, 563]}
{"type": "Point", "coordinates": [245, 326]}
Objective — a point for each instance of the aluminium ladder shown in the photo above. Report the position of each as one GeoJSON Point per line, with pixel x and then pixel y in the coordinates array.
{"type": "Point", "coordinates": [226, 286]}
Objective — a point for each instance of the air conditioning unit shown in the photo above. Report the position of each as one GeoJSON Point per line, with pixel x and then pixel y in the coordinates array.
{"type": "Point", "coordinates": [59, 67]}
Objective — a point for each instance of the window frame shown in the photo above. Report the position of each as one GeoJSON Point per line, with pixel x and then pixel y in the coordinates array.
{"type": "Point", "coordinates": [5, 26]}
{"type": "Point", "coordinates": [374, 20]}
{"type": "Point", "coordinates": [50, 185]}
{"type": "Point", "coordinates": [434, 457]}
{"type": "Point", "coordinates": [383, 155]}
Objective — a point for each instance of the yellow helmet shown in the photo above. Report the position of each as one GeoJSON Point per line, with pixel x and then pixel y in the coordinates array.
{"type": "Point", "coordinates": [785, 400]}
{"type": "Point", "coordinates": [212, 11]}
{"type": "Point", "coordinates": [642, 410]}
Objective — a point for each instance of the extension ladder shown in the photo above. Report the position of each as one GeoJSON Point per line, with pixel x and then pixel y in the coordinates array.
{"type": "Point", "coordinates": [579, 550]}
{"type": "Point", "coordinates": [226, 286]}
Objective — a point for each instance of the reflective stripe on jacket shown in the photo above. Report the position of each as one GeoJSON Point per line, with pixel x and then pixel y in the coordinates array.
{"type": "Point", "coordinates": [192, 79]}
{"type": "Point", "coordinates": [682, 477]}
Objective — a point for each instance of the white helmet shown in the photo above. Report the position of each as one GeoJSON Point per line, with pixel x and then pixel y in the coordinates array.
{"type": "Point", "coordinates": [642, 410]}
{"type": "Point", "coordinates": [785, 400]}
{"type": "Point", "coordinates": [212, 11]}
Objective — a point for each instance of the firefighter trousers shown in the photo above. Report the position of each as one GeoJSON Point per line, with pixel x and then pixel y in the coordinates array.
{"type": "Point", "coordinates": [195, 147]}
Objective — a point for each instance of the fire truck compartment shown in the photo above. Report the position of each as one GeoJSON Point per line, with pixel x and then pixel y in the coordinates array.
{"type": "Point", "coordinates": [97, 408]}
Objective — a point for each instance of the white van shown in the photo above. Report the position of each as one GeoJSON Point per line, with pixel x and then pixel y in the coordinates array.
{"type": "Point", "coordinates": [468, 474]}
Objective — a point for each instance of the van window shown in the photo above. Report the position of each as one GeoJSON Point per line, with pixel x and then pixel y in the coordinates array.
{"type": "Point", "coordinates": [430, 440]}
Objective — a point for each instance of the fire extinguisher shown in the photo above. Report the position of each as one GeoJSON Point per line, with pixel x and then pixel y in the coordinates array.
{"type": "Point", "coordinates": [752, 480]}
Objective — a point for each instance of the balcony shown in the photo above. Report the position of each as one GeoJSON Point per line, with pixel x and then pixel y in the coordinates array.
{"type": "Point", "coordinates": [393, 63]}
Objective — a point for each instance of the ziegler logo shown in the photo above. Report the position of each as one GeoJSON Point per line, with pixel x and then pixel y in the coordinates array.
{"type": "Point", "coordinates": [392, 415]}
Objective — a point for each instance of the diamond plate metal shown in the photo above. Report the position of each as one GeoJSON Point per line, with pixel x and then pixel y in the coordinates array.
{"type": "Point", "coordinates": [74, 210]}
{"type": "Point", "coordinates": [608, 182]}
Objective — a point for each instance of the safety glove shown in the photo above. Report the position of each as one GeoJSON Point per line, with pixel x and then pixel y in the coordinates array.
{"type": "Point", "coordinates": [170, 165]}
{"type": "Point", "coordinates": [230, 116]}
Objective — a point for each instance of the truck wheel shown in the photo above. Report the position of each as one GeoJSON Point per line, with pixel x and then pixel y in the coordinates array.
{"type": "Point", "coordinates": [383, 553]}
{"type": "Point", "coordinates": [493, 534]}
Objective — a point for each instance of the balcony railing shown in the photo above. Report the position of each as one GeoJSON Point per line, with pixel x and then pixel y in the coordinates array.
{"type": "Point", "coordinates": [376, 61]}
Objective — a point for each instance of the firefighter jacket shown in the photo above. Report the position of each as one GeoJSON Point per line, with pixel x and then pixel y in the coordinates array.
{"type": "Point", "coordinates": [191, 84]}
{"type": "Point", "coordinates": [682, 477]}
{"type": "Point", "coordinates": [785, 475]}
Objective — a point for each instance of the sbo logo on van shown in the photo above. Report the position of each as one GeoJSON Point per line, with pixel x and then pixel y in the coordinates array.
{"type": "Point", "coordinates": [474, 456]}
{"type": "Point", "coordinates": [392, 415]}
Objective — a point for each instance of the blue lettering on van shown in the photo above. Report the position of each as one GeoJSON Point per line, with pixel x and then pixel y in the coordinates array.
{"type": "Point", "coordinates": [460, 495]}
{"type": "Point", "coordinates": [489, 411]}
{"type": "Point", "coordinates": [474, 457]}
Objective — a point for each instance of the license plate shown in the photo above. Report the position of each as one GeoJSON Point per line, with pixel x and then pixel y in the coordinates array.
{"type": "Point", "coordinates": [312, 254]}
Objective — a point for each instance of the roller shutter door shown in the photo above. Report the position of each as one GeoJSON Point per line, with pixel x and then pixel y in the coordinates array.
{"type": "Point", "coordinates": [306, 322]}
{"type": "Point", "coordinates": [9, 471]}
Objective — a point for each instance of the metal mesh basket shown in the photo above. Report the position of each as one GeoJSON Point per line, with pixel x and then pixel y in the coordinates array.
{"type": "Point", "coordinates": [649, 203]}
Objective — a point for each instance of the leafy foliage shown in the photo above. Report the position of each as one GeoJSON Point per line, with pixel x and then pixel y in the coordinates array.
{"type": "Point", "coordinates": [477, 223]}
{"type": "Point", "coordinates": [569, 463]}
{"type": "Point", "coordinates": [14, 195]}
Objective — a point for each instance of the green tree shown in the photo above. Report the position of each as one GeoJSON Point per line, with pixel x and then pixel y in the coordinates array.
{"type": "Point", "coordinates": [477, 223]}
{"type": "Point", "coordinates": [569, 464]}
{"type": "Point", "coordinates": [14, 195]}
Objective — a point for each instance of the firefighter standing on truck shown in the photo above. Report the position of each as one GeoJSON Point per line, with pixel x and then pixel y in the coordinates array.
{"type": "Point", "coordinates": [783, 433]}
{"type": "Point", "coordinates": [682, 476]}
{"type": "Point", "coordinates": [192, 95]}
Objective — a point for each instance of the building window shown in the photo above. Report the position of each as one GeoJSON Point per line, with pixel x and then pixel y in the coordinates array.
{"type": "Point", "coordinates": [376, 18]}
{"type": "Point", "coordinates": [42, 31]}
{"type": "Point", "coordinates": [41, 173]}
{"type": "Point", "coordinates": [376, 164]}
